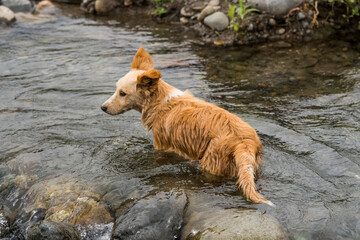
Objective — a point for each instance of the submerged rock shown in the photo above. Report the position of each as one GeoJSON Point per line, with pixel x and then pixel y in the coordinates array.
{"type": "Point", "coordinates": [276, 7]}
{"type": "Point", "coordinates": [224, 224]}
{"type": "Point", "coordinates": [69, 201]}
{"type": "Point", "coordinates": [218, 21]}
{"type": "Point", "coordinates": [47, 230]}
{"type": "Point", "coordinates": [6, 15]}
{"type": "Point", "coordinates": [18, 5]}
{"type": "Point", "coordinates": [154, 217]}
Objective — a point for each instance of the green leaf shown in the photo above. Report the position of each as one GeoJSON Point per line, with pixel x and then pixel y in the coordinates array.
{"type": "Point", "coordinates": [232, 9]}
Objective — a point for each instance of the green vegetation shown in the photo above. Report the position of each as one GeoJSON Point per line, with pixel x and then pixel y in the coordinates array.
{"type": "Point", "coordinates": [237, 14]}
{"type": "Point", "coordinates": [352, 8]}
{"type": "Point", "coordinates": [159, 7]}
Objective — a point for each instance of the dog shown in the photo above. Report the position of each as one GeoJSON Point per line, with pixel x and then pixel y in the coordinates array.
{"type": "Point", "coordinates": [195, 129]}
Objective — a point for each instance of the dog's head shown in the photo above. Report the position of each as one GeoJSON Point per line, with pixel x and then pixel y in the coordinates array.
{"type": "Point", "coordinates": [132, 88]}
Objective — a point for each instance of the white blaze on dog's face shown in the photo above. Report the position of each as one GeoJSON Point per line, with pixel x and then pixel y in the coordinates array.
{"type": "Point", "coordinates": [125, 97]}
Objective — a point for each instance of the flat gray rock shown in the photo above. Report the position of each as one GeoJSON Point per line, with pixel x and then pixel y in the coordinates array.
{"type": "Point", "coordinates": [276, 7]}
{"type": "Point", "coordinates": [154, 217]}
{"type": "Point", "coordinates": [218, 21]}
{"type": "Point", "coordinates": [232, 224]}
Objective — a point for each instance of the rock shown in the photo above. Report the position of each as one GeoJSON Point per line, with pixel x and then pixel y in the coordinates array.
{"type": "Point", "coordinates": [214, 3]}
{"type": "Point", "coordinates": [6, 15]}
{"type": "Point", "coordinates": [128, 3]}
{"type": "Point", "coordinates": [219, 42]}
{"type": "Point", "coordinates": [18, 5]}
{"type": "Point", "coordinates": [305, 24]}
{"type": "Point", "coordinates": [272, 22]}
{"type": "Point", "coordinates": [223, 224]}
{"type": "Point", "coordinates": [250, 27]}
{"type": "Point", "coordinates": [218, 21]}
{"type": "Point", "coordinates": [154, 217]}
{"type": "Point", "coordinates": [207, 11]}
{"type": "Point", "coordinates": [186, 12]}
{"type": "Point", "coordinates": [301, 16]}
{"type": "Point", "coordinates": [184, 20]}
{"type": "Point", "coordinates": [46, 7]}
{"type": "Point", "coordinates": [4, 226]}
{"type": "Point", "coordinates": [104, 7]}
{"type": "Point", "coordinates": [67, 200]}
{"type": "Point", "coordinates": [276, 7]}
{"type": "Point", "coordinates": [52, 230]}
{"type": "Point", "coordinates": [280, 31]}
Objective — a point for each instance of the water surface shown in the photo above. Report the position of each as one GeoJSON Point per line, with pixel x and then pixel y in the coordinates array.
{"type": "Point", "coordinates": [55, 72]}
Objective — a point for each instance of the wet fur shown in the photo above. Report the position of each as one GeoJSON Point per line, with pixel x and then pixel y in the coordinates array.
{"type": "Point", "coordinates": [225, 144]}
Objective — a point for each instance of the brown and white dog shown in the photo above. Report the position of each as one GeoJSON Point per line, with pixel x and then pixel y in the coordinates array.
{"type": "Point", "coordinates": [225, 144]}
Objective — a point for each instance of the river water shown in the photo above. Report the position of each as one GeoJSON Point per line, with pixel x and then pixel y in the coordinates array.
{"type": "Point", "coordinates": [304, 101]}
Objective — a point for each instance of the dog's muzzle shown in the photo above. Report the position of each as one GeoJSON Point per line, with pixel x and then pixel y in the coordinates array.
{"type": "Point", "coordinates": [104, 108]}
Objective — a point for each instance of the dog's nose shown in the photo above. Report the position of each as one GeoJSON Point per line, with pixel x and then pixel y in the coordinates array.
{"type": "Point", "coordinates": [104, 108]}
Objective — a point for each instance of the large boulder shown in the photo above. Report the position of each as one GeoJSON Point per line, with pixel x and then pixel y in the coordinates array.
{"type": "Point", "coordinates": [276, 7]}
{"type": "Point", "coordinates": [6, 15]}
{"type": "Point", "coordinates": [18, 5]}
{"type": "Point", "coordinates": [154, 217]}
{"type": "Point", "coordinates": [218, 21]}
{"type": "Point", "coordinates": [232, 224]}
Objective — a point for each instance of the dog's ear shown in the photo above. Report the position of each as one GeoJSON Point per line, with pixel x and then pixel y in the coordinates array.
{"type": "Point", "coordinates": [142, 60]}
{"type": "Point", "coordinates": [148, 80]}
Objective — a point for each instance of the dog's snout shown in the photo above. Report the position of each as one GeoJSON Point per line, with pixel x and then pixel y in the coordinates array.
{"type": "Point", "coordinates": [104, 108]}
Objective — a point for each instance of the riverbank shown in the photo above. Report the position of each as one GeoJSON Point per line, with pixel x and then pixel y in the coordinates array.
{"type": "Point", "coordinates": [230, 23]}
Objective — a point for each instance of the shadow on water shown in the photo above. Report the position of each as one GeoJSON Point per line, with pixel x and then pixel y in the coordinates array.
{"type": "Point", "coordinates": [304, 101]}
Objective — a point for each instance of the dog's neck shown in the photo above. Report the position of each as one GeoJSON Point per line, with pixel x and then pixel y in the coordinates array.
{"type": "Point", "coordinates": [158, 102]}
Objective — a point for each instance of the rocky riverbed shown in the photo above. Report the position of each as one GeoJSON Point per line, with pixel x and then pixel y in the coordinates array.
{"type": "Point", "coordinates": [69, 171]}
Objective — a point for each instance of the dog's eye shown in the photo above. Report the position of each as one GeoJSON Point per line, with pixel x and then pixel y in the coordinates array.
{"type": "Point", "coordinates": [122, 94]}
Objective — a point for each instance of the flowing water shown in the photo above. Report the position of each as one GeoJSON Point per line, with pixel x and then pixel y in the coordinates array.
{"type": "Point", "coordinates": [304, 101]}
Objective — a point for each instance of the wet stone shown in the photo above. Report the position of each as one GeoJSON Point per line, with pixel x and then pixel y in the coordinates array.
{"type": "Point", "coordinates": [224, 224]}
{"type": "Point", "coordinates": [154, 217]}
{"type": "Point", "coordinates": [52, 230]}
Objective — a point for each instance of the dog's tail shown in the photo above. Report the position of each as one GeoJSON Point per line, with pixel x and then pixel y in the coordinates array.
{"type": "Point", "coordinates": [247, 166]}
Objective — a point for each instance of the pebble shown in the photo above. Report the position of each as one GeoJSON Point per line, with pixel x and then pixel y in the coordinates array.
{"type": "Point", "coordinates": [272, 22]}
{"type": "Point", "coordinates": [128, 3]}
{"type": "Point", "coordinates": [280, 31]}
{"type": "Point", "coordinates": [305, 24]}
{"type": "Point", "coordinates": [301, 16]}
{"type": "Point", "coordinates": [309, 31]}
{"type": "Point", "coordinates": [186, 12]}
{"type": "Point", "coordinates": [219, 42]}
{"type": "Point", "coordinates": [250, 27]}
{"type": "Point", "coordinates": [184, 20]}
{"type": "Point", "coordinates": [218, 21]}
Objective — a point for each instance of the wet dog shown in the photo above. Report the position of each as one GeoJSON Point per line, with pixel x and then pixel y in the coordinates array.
{"type": "Point", "coordinates": [225, 144]}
